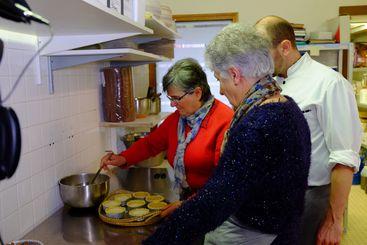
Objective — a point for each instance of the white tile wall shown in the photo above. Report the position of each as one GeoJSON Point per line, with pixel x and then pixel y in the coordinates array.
{"type": "Point", "coordinates": [60, 134]}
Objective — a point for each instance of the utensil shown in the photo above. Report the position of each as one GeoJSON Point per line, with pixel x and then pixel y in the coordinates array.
{"type": "Point", "coordinates": [141, 218]}
{"type": "Point", "coordinates": [83, 196]}
{"type": "Point", "coordinates": [95, 176]}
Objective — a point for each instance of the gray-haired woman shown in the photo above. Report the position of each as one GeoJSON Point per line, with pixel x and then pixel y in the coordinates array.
{"type": "Point", "coordinates": [192, 135]}
{"type": "Point", "coordinates": [256, 194]}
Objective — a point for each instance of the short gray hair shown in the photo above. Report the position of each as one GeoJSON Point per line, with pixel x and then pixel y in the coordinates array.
{"type": "Point", "coordinates": [243, 47]}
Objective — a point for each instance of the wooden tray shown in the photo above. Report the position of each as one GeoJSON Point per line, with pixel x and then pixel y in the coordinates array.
{"type": "Point", "coordinates": [148, 219]}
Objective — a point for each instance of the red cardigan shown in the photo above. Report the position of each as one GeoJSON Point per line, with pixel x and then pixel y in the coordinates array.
{"type": "Point", "coordinates": [202, 153]}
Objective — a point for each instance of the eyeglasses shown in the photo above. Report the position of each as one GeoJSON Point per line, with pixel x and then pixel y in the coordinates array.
{"type": "Point", "coordinates": [177, 99]}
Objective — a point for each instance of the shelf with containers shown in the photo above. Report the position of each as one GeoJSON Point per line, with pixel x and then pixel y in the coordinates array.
{"type": "Point", "coordinates": [161, 40]}
{"type": "Point", "coordinates": [335, 55]}
{"type": "Point", "coordinates": [162, 34]}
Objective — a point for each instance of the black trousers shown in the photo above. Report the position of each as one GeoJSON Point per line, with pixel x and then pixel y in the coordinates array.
{"type": "Point", "coordinates": [316, 206]}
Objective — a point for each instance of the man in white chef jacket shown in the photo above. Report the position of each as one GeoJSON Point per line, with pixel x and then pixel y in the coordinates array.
{"type": "Point", "coordinates": [328, 103]}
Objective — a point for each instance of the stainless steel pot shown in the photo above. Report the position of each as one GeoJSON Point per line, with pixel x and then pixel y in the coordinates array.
{"type": "Point", "coordinates": [75, 194]}
{"type": "Point", "coordinates": [142, 106]}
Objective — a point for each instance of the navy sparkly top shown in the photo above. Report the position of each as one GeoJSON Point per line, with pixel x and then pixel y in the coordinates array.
{"type": "Point", "coordinates": [261, 179]}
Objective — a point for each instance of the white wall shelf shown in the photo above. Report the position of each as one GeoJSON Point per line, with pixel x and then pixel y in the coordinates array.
{"type": "Point", "coordinates": [84, 17]}
{"type": "Point", "coordinates": [69, 58]}
{"type": "Point", "coordinates": [159, 28]}
{"type": "Point", "coordinates": [77, 23]}
{"type": "Point", "coordinates": [147, 122]}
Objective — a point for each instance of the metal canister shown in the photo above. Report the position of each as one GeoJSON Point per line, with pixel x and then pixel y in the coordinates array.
{"type": "Point", "coordinates": [142, 106]}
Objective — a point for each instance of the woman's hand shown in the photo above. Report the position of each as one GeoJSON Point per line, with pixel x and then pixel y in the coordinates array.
{"type": "Point", "coordinates": [112, 159]}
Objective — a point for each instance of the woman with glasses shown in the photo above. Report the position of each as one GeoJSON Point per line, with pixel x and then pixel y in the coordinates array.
{"type": "Point", "coordinates": [192, 135]}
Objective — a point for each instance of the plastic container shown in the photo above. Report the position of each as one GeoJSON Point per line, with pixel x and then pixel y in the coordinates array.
{"type": "Point", "coordinates": [117, 95]}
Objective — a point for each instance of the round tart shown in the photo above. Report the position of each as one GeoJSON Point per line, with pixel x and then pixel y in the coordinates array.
{"type": "Point", "coordinates": [109, 204]}
{"type": "Point", "coordinates": [154, 198]}
{"type": "Point", "coordinates": [137, 212]}
{"type": "Point", "coordinates": [115, 212]}
{"type": "Point", "coordinates": [156, 205]}
{"type": "Point", "coordinates": [140, 194]}
{"type": "Point", "coordinates": [122, 198]}
{"type": "Point", "coordinates": [135, 203]}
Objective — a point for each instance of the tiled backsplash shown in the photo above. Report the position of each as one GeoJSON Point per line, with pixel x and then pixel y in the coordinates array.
{"type": "Point", "coordinates": [60, 134]}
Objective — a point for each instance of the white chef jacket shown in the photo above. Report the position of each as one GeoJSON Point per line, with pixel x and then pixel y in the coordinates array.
{"type": "Point", "coordinates": [328, 103]}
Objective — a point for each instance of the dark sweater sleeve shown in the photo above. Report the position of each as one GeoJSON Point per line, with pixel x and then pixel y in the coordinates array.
{"type": "Point", "coordinates": [223, 194]}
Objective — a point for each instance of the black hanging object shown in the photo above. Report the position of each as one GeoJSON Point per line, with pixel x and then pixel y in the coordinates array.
{"type": "Point", "coordinates": [10, 12]}
{"type": "Point", "coordinates": [10, 142]}
{"type": "Point", "coordinates": [10, 139]}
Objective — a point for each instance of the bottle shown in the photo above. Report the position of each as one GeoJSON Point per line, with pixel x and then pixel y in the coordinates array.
{"type": "Point", "coordinates": [364, 178]}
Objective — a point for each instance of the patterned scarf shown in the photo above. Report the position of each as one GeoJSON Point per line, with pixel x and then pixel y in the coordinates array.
{"type": "Point", "coordinates": [194, 121]}
{"type": "Point", "coordinates": [258, 93]}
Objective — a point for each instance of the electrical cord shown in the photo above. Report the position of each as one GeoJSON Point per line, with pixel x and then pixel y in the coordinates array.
{"type": "Point", "coordinates": [28, 64]}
